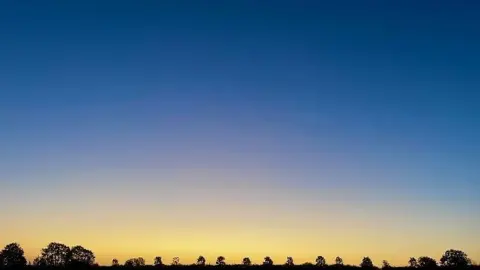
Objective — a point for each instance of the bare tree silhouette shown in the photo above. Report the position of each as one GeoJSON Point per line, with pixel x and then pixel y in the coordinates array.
{"type": "Point", "coordinates": [12, 255]}
{"type": "Point", "coordinates": [176, 261]}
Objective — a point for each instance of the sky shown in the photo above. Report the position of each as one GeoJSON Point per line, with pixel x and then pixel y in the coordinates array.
{"type": "Point", "coordinates": [241, 128]}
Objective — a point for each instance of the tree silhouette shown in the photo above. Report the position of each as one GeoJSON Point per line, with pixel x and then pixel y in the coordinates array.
{"type": "Point", "coordinates": [201, 261]}
{"type": "Point", "coordinates": [220, 260]}
{"type": "Point", "coordinates": [427, 262]}
{"type": "Point", "coordinates": [338, 261]}
{"type": "Point", "coordinates": [115, 262]}
{"type": "Point", "coordinates": [412, 262]}
{"type": "Point", "coordinates": [267, 261]}
{"type": "Point", "coordinates": [39, 262]}
{"type": "Point", "coordinates": [129, 263]}
{"type": "Point", "coordinates": [289, 261]}
{"type": "Point", "coordinates": [135, 262]}
{"type": "Point", "coordinates": [56, 254]}
{"type": "Point", "coordinates": [246, 261]}
{"type": "Point", "coordinates": [320, 261]}
{"type": "Point", "coordinates": [176, 261]}
{"type": "Point", "coordinates": [366, 263]}
{"type": "Point", "coordinates": [385, 264]}
{"type": "Point", "coordinates": [157, 261]}
{"type": "Point", "coordinates": [455, 258]}
{"type": "Point", "coordinates": [12, 255]}
{"type": "Point", "coordinates": [81, 256]}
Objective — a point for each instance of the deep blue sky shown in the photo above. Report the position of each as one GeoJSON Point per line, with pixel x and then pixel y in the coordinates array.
{"type": "Point", "coordinates": [367, 97]}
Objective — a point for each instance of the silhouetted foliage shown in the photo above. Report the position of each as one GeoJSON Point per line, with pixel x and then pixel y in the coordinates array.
{"type": "Point", "coordinates": [39, 262]}
{"type": "Point", "coordinates": [135, 262]}
{"type": "Point", "coordinates": [246, 261]}
{"type": "Point", "coordinates": [427, 262]}
{"type": "Point", "coordinates": [267, 261]}
{"type": "Point", "coordinates": [320, 261]}
{"type": "Point", "coordinates": [220, 260]}
{"type": "Point", "coordinates": [12, 255]}
{"type": "Point", "coordinates": [201, 261]}
{"type": "Point", "coordinates": [455, 258]}
{"type": "Point", "coordinates": [81, 256]}
{"type": "Point", "coordinates": [55, 254]}
{"type": "Point", "coordinates": [157, 261]}
{"type": "Point", "coordinates": [129, 263]}
{"type": "Point", "coordinates": [366, 263]}
{"type": "Point", "coordinates": [412, 262]}
{"type": "Point", "coordinates": [60, 255]}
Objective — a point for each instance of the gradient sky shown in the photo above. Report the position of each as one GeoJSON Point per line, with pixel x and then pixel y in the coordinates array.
{"type": "Point", "coordinates": [241, 128]}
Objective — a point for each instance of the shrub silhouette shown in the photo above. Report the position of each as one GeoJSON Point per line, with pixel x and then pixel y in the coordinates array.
{"type": "Point", "coordinates": [386, 264]}
{"type": "Point", "coordinates": [157, 261]}
{"type": "Point", "coordinates": [220, 260]}
{"type": "Point", "coordinates": [246, 261]}
{"type": "Point", "coordinates": [176, 261]}
{"type": "Point", "coordinates": [115, 262]}
{"type": "Point", "coordinates": [201, 261]}
{"type": "Point", "coordinates": [289, 261]}
{"type": "Point", "coordinates": [267, 261]}
{"type": "Point", "coordinates": [320, 261]}
{"type": "Point", "coordinates": [338, 261]}
{"type": "Point", "coordinates": [366, 263]}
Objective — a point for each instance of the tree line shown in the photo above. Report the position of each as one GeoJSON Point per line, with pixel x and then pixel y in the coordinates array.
{"type": "Point", "coordinates": [60, 255]}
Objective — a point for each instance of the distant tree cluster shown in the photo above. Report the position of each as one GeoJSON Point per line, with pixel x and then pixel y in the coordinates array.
{"type": "Point", "coordinates": [60, 255]}
{"type": "Point", "coordinates": [55, 254]}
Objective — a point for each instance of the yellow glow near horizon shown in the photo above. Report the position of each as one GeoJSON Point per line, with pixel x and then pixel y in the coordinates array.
{"type": "Point", "coordinates": [234, 221]}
